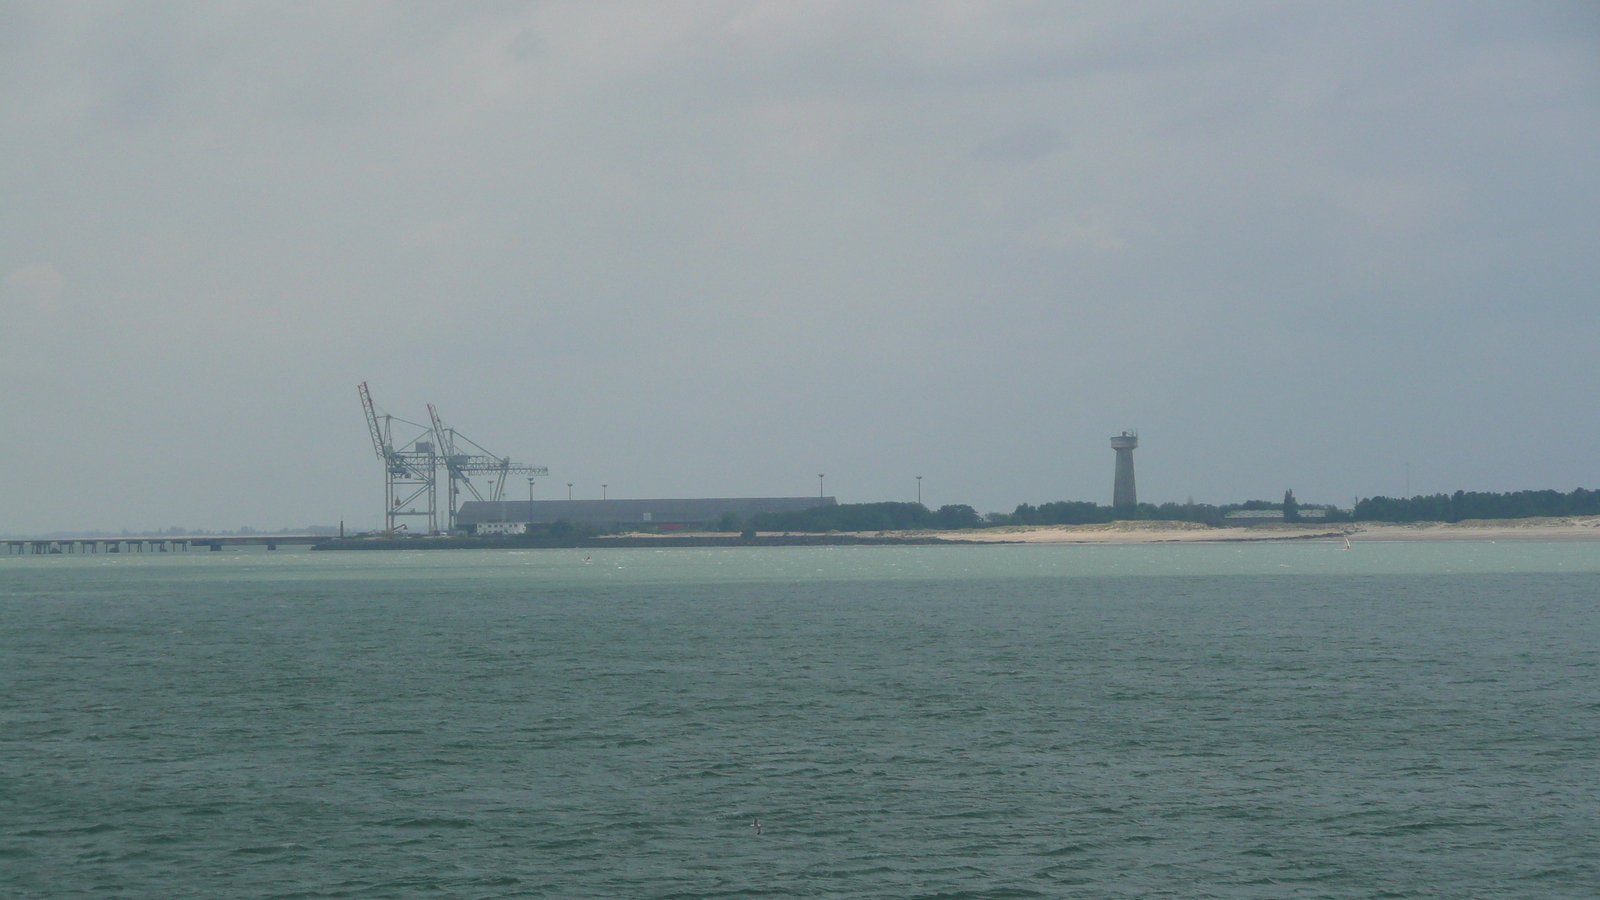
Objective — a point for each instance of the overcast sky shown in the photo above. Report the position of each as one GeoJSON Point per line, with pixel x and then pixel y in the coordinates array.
{"type": "Point", "coordinates": [716, 248]}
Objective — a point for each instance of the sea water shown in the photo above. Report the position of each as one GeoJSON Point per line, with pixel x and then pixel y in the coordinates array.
{"type": "Point", "coordinates": [1395, 720]}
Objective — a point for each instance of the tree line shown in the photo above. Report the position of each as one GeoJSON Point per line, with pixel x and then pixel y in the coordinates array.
{"type": "Point", "coordinates": [891, 516]}
{"type": "Point", "coordinates": [914, 516]}
{"type": "Point", "coordinates": [1478, 505]}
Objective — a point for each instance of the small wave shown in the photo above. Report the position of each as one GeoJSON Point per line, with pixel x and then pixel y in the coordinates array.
{"type": "Point", "coordinates": [429, 822]}
{"type": "Point", "coordinates": [988, 894]}
{"type": "Point", "coordinates": [97, 828]}
{"type": "Point", "coordinates": [264, 850]}
{"type": "Point", "coordinates": [1422, 827]}
{"type": "Point", "coordinates": [387, 731]}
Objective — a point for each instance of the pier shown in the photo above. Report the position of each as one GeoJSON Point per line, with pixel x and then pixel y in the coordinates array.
{"type": "Point", "coordinates": [157, 544]}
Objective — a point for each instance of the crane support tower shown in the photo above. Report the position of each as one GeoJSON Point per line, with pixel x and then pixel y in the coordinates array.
{"type": "Point", "coordinates": [462, 465]}
{"type": "Point", "coordinates": [1123, 492]}
{"type": "Point", "coordinates": [410, 465]}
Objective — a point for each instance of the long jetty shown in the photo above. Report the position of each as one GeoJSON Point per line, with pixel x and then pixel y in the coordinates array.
{"type": "Point", "coordinates": [152, 544]}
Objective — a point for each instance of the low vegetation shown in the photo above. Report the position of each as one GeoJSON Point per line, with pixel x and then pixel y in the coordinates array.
{"type": "Point", "coordinates": [1474, 505]}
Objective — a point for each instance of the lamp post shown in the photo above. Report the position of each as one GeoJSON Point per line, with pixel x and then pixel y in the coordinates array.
{"type": "Point", "coordinates": [602, 492]}
{"type": "Point", "coordinates": [530, 503]}
{"type": "Point", "coordinates": [569, 490]}
{"type": "Point", "coordinates": [919, 490]}
{"type": "Point", "coordinates": [819, 485]}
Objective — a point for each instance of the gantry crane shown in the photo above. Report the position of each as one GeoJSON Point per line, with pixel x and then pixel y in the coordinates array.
{"type": "Point", "coordinates": [409, 467]}
{"type": "Point", "coordinates": [461, 465]}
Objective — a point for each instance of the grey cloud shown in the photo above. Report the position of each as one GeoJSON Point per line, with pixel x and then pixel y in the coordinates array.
{"type": "Point", "coordinates": [1023, 144]}
{"type": "Point", "coordinates": [527, 45]}
{"type": "Point", "coordinates": [706, 248]}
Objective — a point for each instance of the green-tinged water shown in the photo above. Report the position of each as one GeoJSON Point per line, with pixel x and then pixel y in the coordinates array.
{"type": "Point", "coordinates": [1396, 720]}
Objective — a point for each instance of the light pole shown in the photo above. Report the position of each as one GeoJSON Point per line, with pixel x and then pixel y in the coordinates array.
{"type": "Point", "coordinates": [819, 485]}
{"type": "Point", "coordinates": [530, 502]}
{"type": "Point", "coordinates": [569, 490]}
{"type": "Point", "coordinates": [602, 492]}
{"type": "Point", "coordinates": [919, 490]}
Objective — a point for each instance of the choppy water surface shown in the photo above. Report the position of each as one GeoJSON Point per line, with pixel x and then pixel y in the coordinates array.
{"type": "Point", "coordinates": [1417, 720]}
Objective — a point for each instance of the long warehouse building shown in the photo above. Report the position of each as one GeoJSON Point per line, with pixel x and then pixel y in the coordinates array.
{"type": "Point", "coordinates": [483, 516]}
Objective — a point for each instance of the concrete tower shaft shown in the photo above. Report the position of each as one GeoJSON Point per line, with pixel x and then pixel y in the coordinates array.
{"type": "Point", "coordinates": [1123, 492]}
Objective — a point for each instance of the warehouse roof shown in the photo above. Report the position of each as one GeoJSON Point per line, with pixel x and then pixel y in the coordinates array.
{"type": "Point", "coordinates": [630, 512]}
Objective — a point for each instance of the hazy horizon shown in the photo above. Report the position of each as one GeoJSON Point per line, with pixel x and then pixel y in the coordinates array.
{"type": "Point", "coordinates": [715, 248]}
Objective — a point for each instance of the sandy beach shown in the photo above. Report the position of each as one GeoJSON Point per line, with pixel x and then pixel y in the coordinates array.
{"type": "Point", "coordinates": [1585, 528]}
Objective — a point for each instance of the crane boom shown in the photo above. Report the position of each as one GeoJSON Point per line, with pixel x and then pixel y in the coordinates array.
{"type": "Point", "coordinates": [439, 437]}
{"type": "Point", "coordinates": [379, 445]}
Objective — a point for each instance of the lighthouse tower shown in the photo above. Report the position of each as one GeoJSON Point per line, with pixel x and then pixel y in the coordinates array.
{"type": "Point", "coordinates": [1123, 492]}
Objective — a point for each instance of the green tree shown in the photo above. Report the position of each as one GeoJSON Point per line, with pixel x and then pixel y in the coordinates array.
{"type": "Point", "coordinates": [957, 515]}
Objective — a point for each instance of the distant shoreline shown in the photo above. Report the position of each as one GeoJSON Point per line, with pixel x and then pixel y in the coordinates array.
{"type": "Point", "coordinates": [1576, 528]}
{"type": "Point", "coordinates": [1584, 528]}
{"type": "Point", "coordinates": [637, 540]}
